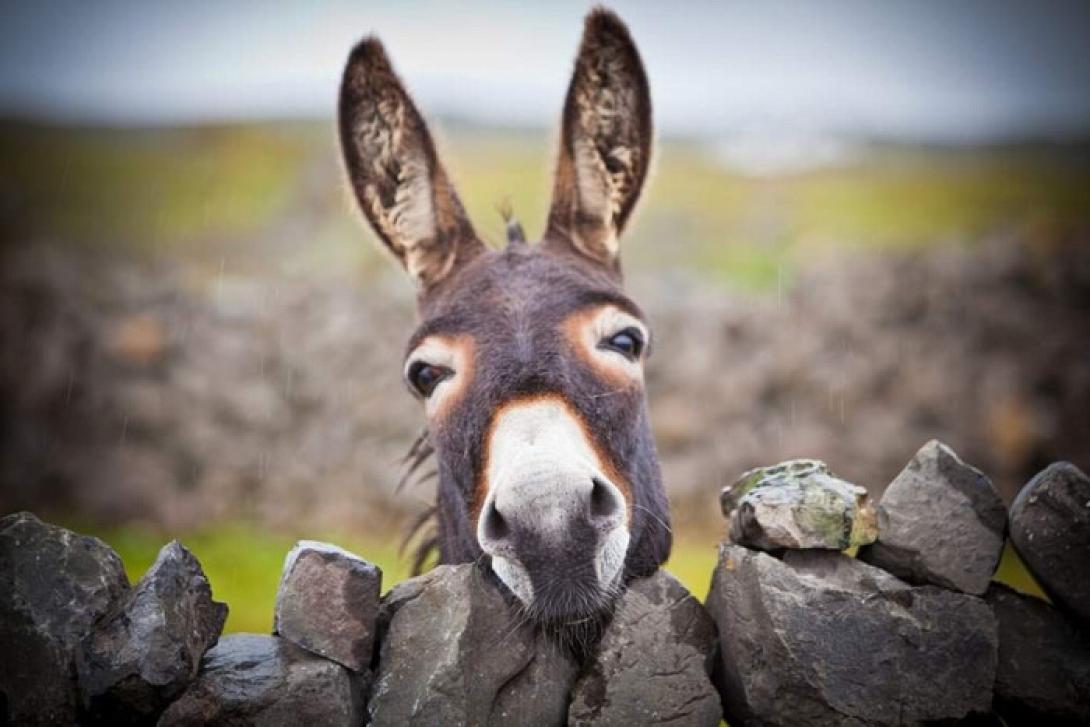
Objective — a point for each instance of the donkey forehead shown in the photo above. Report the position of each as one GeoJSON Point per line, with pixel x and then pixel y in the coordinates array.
{"type": "Point", "coordinates": [517, 292]}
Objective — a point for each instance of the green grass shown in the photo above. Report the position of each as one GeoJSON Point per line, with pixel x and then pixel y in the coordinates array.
{"type": "Point", "coordinates": [243, 564]}
{"type": "Point", "coordinates": [753, 232]}
{"type": "Point", "coordinates": [151, 191]}
{"type": "Point", "coordinates": [233, 191]}
{"type": "Point", "coordinates": [1012, 571]}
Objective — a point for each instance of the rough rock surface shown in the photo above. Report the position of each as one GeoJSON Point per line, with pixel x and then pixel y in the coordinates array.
{"type": "Point", "coordinates": [455, 652]}
{"type": "Point", "coordinates": [940, 521]}
{"type": "Point", "coordinates": [1050, 529]}
{"type": "Point", "coordinates": [798, 504]}
{"type": "Point", "coordinates": [820, 638]}
{"type": "Point", "coordinates": [54, 584]}
{"type": "Point", "coordinates": [653, 662]}
{"type": "Point", "coordinates": [144, 653]}
{"type": "Point", "coordinates": [328, 601]}
{"type": "Point", "coordinates": [1043, 676]}
{"type": "Point", "coordinates": [249, 679]}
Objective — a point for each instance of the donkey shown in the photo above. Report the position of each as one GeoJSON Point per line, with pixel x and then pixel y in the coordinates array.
{"type": "Point", "coordinates": [528, 360]}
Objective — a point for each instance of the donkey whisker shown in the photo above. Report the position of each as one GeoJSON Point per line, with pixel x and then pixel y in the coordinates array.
{"type": "Point", "coordinates": [611, 392]}
{"type": "Point", "coordinates": [518, 624]}
{"type": "Point", "coordinates": [658, 519]}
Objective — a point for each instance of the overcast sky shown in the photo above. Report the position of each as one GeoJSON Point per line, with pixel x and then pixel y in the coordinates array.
{"type": "Point", "coordinates": [936, 69]}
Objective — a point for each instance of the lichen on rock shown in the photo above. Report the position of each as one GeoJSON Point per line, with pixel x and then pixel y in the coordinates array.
{"type": "Point", "coordinates": [798, 504]}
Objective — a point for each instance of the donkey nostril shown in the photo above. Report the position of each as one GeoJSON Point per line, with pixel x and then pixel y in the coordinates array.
{"type": "Point", "coordinates": [495, 527]}
{"type": "Point", "coordinates": [603, 501]}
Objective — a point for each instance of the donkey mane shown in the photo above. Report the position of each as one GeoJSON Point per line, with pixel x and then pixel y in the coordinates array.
{"type": "Point", "coordinates": [425, 525]}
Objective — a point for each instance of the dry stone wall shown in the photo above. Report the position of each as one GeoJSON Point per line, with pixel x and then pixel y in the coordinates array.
{"type": "Point", "coordinates": [794, 631]}
{"type": "Point", "coordinates": [158, 392]}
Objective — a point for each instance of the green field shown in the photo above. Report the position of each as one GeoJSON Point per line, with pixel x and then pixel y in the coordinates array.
{"type": "Point", "coordinates": [272, 196]}
{"type": "Point", "coordinates": [243, 564]}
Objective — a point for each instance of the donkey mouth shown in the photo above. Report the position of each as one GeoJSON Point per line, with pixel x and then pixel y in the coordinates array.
{"type": "Point", "coordinates": [560, 548]}
{"type": "Point", "coordinates": [568, 580]}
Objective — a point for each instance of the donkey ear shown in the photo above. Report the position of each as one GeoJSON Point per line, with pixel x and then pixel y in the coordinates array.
{"type": "Point", "coordinates": [398, 180]}
{"type": "Point", "coordinates": [605, 142]}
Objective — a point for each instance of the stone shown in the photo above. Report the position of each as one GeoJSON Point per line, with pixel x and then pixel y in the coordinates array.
{"type": "Point", "coordinates": [327, 603]}
{"type": "Point", "coordinates": [54, 585]}
{"type": "Point", "coordinates": [454, 651]}
{"type": "Point", "coordinates": [820, 638]}
{"type": "Point", "coordinates": [798, 504]}
{"type": "Point", "coordinates": [653, 662]}
{"type": "Point", "coordinates": [147, 649]}
{"type": "Point", "coordinates": [1043, 676]}
{"type": "Point", "coordinates": [1050, 529]}
{"type": "Point", "coordinates": [941, 522]}
{"type": "Point", "coordinates": [251, 679]}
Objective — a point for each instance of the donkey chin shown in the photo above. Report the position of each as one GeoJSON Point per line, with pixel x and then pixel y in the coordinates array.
{"type": "Point", "coordinates": [554, 524]}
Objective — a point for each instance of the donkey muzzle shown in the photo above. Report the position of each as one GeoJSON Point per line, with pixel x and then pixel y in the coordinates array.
{"type": "Point", "coordinates": [553, 522]}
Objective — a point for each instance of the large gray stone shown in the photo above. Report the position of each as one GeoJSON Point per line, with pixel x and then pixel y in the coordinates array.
{"type": "Point", "coordinates": [328, 602]}
{"type": "Point", "coordinates": [455, 652]}
{"type": "Point", "coordinates": [145, 652]}
{"type": "Point", "coordinates": [248, 679]}
{"type": "Point", "coordinates": [1043, 675]}
{"type": "Point", "coordinates": [940, 521]}
{"type": "Point", "coordinates": [653, 662]}
{"type": "Point", "coordinates": [54, 584]}
{"type": "Point", "coordinates": [819, 638]}
{"type": "Point", "coordinates": [1050, 529]}
{"type": "Point", "coordinates": [798, 504]}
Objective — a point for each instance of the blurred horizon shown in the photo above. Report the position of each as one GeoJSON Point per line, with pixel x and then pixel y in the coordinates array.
{"type": "Point", "coordinates": [930, 72]}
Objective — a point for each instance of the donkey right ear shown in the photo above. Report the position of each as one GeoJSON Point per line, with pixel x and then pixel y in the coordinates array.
{"type": "Point", "coordinates": [395, 173]}
{"type": "Point", "coordinates": [605, 142]}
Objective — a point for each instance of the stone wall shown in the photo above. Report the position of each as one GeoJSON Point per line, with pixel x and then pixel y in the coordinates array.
{"type": "Point", "coordinates": [795, 630]}
{"type": "Point", "coordinates": [149, 391]}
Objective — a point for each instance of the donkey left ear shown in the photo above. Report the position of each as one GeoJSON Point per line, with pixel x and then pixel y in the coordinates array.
{"type": "Point", "coordinates": [395, 172]}
{"type": "Point", "coordinates": [605, 142]}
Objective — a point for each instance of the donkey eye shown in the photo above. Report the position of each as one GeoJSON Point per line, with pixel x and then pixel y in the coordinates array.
{"type": "Point", "coordinates": [629, 343]}
{"type": "Point", "coordinates": [424, 377]}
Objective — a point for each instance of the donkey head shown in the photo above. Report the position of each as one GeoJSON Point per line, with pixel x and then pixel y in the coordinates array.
{"type": "Point", "coordinates": [528, 361]}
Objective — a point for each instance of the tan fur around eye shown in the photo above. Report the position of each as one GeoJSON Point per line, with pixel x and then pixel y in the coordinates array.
{"type": "Point", "coordinates": [455, 352]}
{"type": "Point", "coordinates": [581, 333]}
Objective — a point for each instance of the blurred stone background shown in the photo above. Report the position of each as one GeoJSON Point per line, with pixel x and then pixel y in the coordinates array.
{"type": "Point", "coordinates": [184, 388]}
